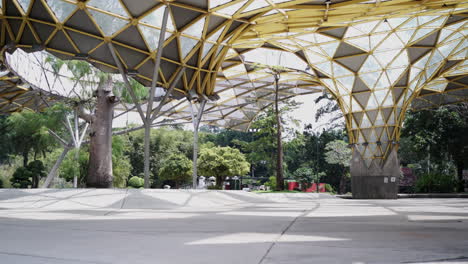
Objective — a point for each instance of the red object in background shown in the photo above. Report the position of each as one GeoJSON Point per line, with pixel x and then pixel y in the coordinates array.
{"type": "Point", "coordinates": [292, 186]}
{"type": "Point", "coordinates": [313, 188]}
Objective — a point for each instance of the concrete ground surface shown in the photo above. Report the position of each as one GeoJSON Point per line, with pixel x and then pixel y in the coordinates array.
{"type": "Point", "coordinates": [181, 226]}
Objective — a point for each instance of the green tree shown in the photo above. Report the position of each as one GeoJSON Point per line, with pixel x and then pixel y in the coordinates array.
{"type": "Point", "coordinates": [28, 132]}
{"type": "Point", "coordinates": [306, 150]}
{"type": "Point", "coordinates": [176, 168]}
{"type": "Point", "coordinates": [96, 107]}
{"type": "Point", "coordinates": [21, 178]}
{"type": "Point", "coordinates": [224, 137]}
{"type": "Point", "coordinates": [271, 182]}
{"type": "Point", "coordinates": [37, 170]}
{"type": "Point", "coordinates": [6, 144]}
{"type": "Point", "coordinates": [28, 176]}
{"type": "Point", "coordinates": [164, 141]}
{"type": "Point", "coordinates": [261, 145]}
{"type": "Point", "coordinates": [294, 154]}
{"type": "Point", "coordinates": [435, 138]}
{"type": "Point", "coordinates": [278, 112]}
{"type": "Point", "coordinates": [120, 163]}
{"type": "Point", "coordinates": [222, 162]}
{"type": "Point", "coordinates": [121, 167]}
{"type": "Point", "coordinates": [71, 167]}
{"type": "Point", "coordinates": [304, 176]}
{"type": "Point", "coordinates": [338, 152]}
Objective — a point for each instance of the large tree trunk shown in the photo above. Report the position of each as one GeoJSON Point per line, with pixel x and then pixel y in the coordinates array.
{"type": "Point", "coordinates": [100, 148]}
{"type": "Point", "coordinates": [219, 182]}
{"type": "Point", "coordinates": [279, 142]}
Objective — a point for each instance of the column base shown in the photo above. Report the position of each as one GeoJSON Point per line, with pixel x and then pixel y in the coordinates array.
{"type": "Point", "coordinates": [374, 187]}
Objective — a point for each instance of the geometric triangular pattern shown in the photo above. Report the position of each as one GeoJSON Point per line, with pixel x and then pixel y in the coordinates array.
{"type": "Point", "coordinates": [375, 63]}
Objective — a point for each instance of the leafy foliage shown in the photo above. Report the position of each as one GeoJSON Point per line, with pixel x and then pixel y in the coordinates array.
{"type": "Point", "coordinates": [28, 131]}
{"type": "Point", "coordinates": [222, 162]}
{"type": "Point", "coordinates": [6, 145]}
{"type": "Point", "coordinates": [304, 176]}
{"type": "Point", "coordinates": [330, 107]}
{"type": "Point", "coordinates": [136, 182]}
{"type": "Point", "coordinates": [72, 166]}
{"type": "Point", "coordinates": [28, 176]}
{"type": "Point", "coordinates": [436, 183]}
{"type": "Point", "coordinates": [436, 140]}
{"type": "Point", "coordinates": [307, 150]}
{"type": "Point", "coordinates": [141, 92]}
{"type": "Point", "coordinates": [329, 188]}
{"type": "Point", "coordinates": [176, 168]}
{"type": "Point", "coordinates": [271, 182]}
{"type": "Point", "coordinates": [38, 171]}
{"type": "Point", "coordinates": [164, 141]}
{"type": "Point", "coordinates": [121, 166]}
{"type": "Point", "coordinates": [21, 178]}
{"type": "Point", "coordinates": [338, 153]}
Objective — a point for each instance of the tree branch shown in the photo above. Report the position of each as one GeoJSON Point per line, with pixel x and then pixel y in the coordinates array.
{"type": "Point", "coordinates": [89, 118]}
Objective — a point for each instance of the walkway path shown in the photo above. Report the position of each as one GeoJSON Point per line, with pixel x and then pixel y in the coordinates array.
{"type": "Point", "coordinates": [170, 226]}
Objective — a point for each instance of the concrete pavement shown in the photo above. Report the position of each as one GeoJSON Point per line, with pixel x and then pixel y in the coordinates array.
{"type": "Point", "coordinates": [182, 226]}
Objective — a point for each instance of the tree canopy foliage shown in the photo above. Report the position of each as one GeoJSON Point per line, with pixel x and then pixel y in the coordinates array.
{"type": "Point", "coordinates": [436, 140]}
{"type": "Point", "coordinates": [222, 162]}
{"type": "Point", "coordinates": [27, 133]}
{"type": "Point", "coordinates": [176, 169]}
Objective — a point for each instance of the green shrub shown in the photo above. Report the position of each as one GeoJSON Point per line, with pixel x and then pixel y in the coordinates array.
{"type": "Point", "coordinates": [136, 182]}
{"type": "Point", "coordinates": [214, 187]}
{"type": "Point", "coordinates": [271, 182]}
{"type": "Point", "coordinates": [436, 183]}
{"type": "Point", "coordinates": [21, 178]}
{"type": "Point", "coordinates": [38, 171]}
{"type": "Point", "coordinates": [329, 188]}
{"type": "Point", "coordinates": [304, 176]}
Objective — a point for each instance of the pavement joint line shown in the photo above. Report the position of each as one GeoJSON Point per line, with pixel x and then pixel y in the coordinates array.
{"type": "Point", "coordinates": [307, 211]}
{"type": "Point", "coordinates": [402, 215]}
{"type": "Point", "coordinates": [146, 232]}
{"type": "Point", "coordinates": [52, 258]}
{"type": "Point", "coordinates": [124, 199]}
{"type": "Point", "coordinates": [65, 198]}
{"type": "Point", "coordinates": [438, 260]}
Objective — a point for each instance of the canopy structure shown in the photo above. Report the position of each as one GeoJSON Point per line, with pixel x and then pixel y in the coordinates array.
{"type": "Point", "coordinates": [17, 94]}
{"type": "Point", "coordinates": [242, 95]}
{"type": "Point", "coordinates": [377, 58]}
